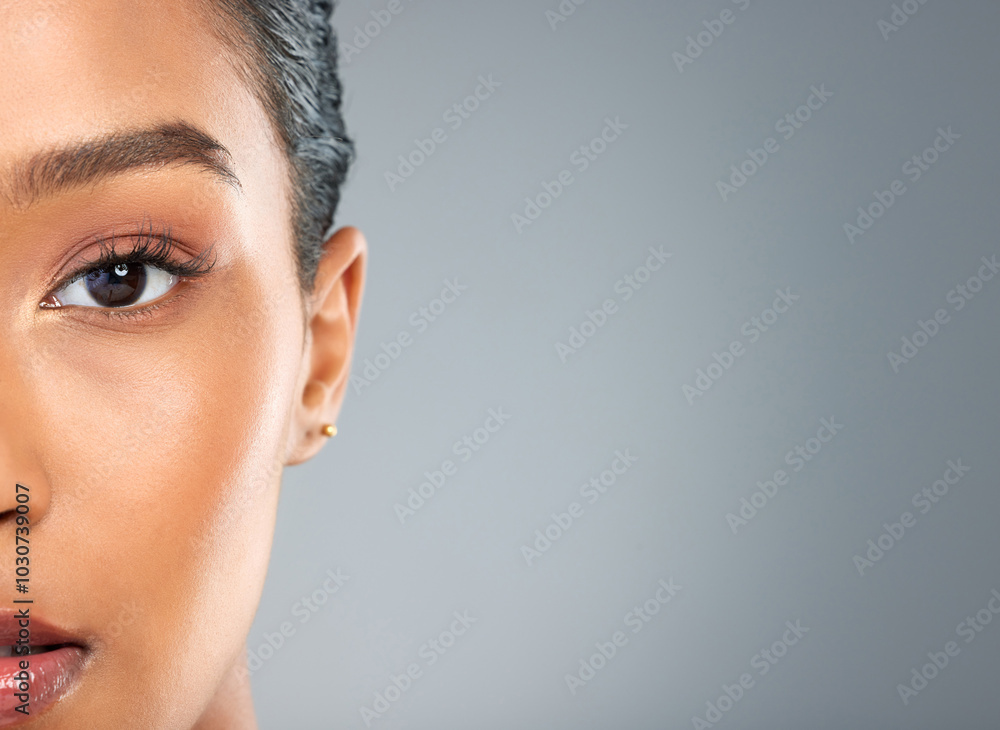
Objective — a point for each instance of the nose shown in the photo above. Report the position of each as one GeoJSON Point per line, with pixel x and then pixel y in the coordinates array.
{"type": "Point", "coordinates": [24, 489]}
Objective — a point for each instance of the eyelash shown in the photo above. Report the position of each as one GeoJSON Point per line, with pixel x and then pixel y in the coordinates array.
{"type": "Point", "coordinates": [150, 247]}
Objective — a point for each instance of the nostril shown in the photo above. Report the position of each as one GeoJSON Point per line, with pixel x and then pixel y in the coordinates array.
{"type": "Point", "coordinates": [22, 469]}
{"type": "Point", "coordinates": [23, 501]}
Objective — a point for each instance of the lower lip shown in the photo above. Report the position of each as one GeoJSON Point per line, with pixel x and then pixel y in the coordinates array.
{"type": "Point", "coordinates": [51, 676]}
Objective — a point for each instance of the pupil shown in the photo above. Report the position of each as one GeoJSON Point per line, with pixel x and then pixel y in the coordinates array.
{"type": "Point", "coordinates": [118, 286]}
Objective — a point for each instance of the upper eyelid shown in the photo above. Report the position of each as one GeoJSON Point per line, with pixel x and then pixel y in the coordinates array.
{"type": "Point", "coordinates": [143, 250]}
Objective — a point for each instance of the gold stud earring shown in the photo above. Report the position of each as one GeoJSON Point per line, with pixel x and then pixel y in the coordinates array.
{"type": "Point", "coordinates": [328, 430]}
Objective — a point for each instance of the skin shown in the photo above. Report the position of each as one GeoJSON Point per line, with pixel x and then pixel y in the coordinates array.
{"type": "Point", "coordinates": [154, 445]}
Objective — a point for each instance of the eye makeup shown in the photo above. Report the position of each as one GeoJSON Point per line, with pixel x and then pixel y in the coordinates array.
{"type": "Point", "coordinates": [133, 269]}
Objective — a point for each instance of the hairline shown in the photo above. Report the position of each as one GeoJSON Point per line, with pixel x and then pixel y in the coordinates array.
{"type": "Point", "coordinates": [252, 69]}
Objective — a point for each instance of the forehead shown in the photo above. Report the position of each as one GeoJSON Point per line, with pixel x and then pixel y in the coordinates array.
{"type": "Point", "coordinates": [79, 69]}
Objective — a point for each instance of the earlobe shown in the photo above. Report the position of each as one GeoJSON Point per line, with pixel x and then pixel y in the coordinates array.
{"type": "Point", "coordinates": [331, 322]}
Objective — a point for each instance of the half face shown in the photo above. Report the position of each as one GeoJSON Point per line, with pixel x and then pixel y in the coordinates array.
{"type": "Point", "coordinates": [151, 350]}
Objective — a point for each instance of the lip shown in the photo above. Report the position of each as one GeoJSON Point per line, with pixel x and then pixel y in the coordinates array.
{"type": "Point", "coordinates": [51, 674]}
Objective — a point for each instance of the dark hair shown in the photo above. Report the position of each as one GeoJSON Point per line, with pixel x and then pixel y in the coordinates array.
{"type": "Point", "coordinates": [287, 52]}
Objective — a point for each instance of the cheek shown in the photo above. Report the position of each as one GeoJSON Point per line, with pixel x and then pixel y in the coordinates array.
{"type": "Point", "coordinates": [172, 425]}
{"type": "Point", "coordinates": [170, 465]}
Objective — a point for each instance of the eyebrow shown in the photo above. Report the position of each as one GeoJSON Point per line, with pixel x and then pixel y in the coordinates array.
{"type": "Point", "coordinates": [57, 170]}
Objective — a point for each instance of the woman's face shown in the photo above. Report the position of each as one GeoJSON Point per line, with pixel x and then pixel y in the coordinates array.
{"type": "Point", "coordinates": [149, 414]}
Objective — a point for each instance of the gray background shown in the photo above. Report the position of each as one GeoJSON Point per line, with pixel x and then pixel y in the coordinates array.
{"type": "Point", "coordinates": [665, 518]}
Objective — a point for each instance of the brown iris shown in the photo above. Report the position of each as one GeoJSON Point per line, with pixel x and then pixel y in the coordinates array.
{"type": "Point", "coordinates": [117, 286]}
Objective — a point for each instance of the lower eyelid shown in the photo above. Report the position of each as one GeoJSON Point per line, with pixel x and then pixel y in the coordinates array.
{"type": "Point", "coordinates": [160, 309]}
{"type": "Point", "coordinates": [129, 313]}
{"type": "Point", "coordinates": [136, 315]}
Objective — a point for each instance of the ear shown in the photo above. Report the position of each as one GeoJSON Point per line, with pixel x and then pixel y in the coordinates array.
{"type": "Point", "coordinates": [331, 322]}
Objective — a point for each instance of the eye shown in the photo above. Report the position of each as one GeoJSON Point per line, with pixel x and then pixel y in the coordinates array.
{"type": "Point", "coordinates": [122, 284]}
